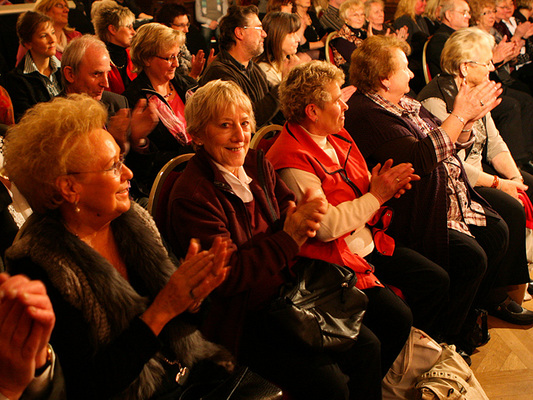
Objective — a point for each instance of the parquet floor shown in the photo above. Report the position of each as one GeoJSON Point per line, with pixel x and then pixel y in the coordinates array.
{"type": "Point", "coordinates": [504, 366]}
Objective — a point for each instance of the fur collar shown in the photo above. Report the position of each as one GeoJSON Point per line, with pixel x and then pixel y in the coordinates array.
{"type": "Point", "coordinates": [106, 300]}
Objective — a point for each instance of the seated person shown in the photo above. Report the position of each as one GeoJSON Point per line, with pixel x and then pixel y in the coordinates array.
{"type": "Point", "coordinates": [58, 10]}
{"type": "Point", "coordinates": [465, 57]}
{"type": "Point", "coordinates": [241, 39]}
{"type": "Point", "coordinates": [37, 77]}
{"type": "Point", "coordinates": [175, 16]}
{"type": "Point", "coordinates": [155, 53]}
{"type": "Point", "coordinates": [351, 35]}
{"type": "Point", "coordinates": [281, 44]}
{"type": "Point", "coordinates": [113, 25]}
{"type": "Point", "coordinates": [28, 367]}
{"type": "Point", "coordinates": [219, 194]}
{"type": "Point", "coordinates": [442, 217]}
{"type": "Point", "coordinates": [115, 292]}
{"type": "Point", "coordinates": [315, 153]}
{"type": "Point", "coordinates": [312, 33]}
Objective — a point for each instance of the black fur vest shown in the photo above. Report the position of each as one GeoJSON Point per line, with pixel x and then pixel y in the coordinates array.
{"type": "Point", "coordinates": [108, 303]}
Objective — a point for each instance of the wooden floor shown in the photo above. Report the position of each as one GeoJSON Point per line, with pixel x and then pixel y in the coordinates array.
{"type": "Point", "coordinates": [504, 366]}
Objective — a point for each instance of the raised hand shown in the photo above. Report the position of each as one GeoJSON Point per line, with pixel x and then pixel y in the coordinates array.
{"type": "Point", "coordinates": [196, 277]}
{"type": "Point", "coordinates": [26, 323]}
{"type": "Point", "coordinates": [387, 181]}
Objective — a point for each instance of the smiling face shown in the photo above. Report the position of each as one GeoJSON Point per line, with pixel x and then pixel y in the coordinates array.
{"type": "Point", "coordinates": [376, 15]}
{"type": "Point", "coordinates": [487, 18]}
{"type": "Point", "coordinates": [477, 71]}
{"type": "Point", "coordinates": [330, 117]}
{"type": "Point", "coordinates": [355, 17]}
{"type": "Point", "coordinates": [43, 41]}
{"type": "Point", "coordinates": [226, 138]}
{"type": "Point", "coordinates": [459, 16]}
{"type": "Point", "coordinates": [103, 192]}
{"type": "Point", "coordinates": [59, 12]}
{"type": "Point", "coordinates": [398, 82]}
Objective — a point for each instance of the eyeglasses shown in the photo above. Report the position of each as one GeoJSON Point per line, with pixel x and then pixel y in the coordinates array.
{"type": "Point", "coordinates": [486, 65]}
{"type": "Point", "coordinates": [488, 12]}
{"type": "Point", "coordinates": [173, 57]}
{"type": "Point", "coordinates": [60, 5]}
{"type": "Point", "coordinates": [116, 168]}
{"type": "Point", "coordinates": [188, 24]}
{"type": "Point", "coordinates": [464, 13]}
{"type": "Point", "coordinates": [257, 28]}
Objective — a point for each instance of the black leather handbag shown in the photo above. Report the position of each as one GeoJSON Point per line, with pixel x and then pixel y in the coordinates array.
{"type": "Point", "coordinates": [320, 305]}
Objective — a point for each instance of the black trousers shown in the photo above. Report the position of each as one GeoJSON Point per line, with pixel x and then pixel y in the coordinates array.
{"type": "Point", "coordinates": [308, 374]}
{"type": "Point", "coordinates": [474, 265]}
{"type": "Point", "coordinates": [424, 284]}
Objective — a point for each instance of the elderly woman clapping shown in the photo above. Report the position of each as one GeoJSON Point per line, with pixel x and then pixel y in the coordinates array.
{"type": "Point", "coordinates": [220, 194]}
{"type": "Point", "coordinates": [442, 217]}
{"type": "Point", "coordinates": [467, 57]}
{"type": "Point", "coordinates": [113, 288]}
{"type": "Point", "coordinates": [155, 52]}
{"type": "Point", "coordinates": [314, 152]}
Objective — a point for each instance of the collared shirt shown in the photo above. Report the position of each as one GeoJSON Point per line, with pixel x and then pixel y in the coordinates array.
{"type": "Point", "coordinates": [240, 183]}
{"type": "Point", "coordinates": [52, 84]}
{"type": "Point", "coordinates": [462, 210]}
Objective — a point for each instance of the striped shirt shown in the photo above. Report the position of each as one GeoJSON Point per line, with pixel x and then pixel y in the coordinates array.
{"type": "Point", "coordinates": [462, 210]}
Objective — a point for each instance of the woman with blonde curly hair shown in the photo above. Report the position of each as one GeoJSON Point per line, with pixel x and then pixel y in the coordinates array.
{"type": "Point", "coordinates": [115, 292]}
{"type": "Point", "coordinates": [155, 53]}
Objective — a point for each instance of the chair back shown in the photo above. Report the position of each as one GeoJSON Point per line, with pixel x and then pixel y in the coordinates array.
{"type": "Point", "coordinates": [160, 192]}
{"type": "Point", "coordinates": [328, 50]}
{"type": "Point", "coordinates": [265, 137]}
{"type": "Point", "coordinates": [425, 66]}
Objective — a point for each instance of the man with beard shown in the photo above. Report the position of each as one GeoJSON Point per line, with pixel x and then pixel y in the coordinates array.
{"type": "Point", "coordinates": [241, 39]}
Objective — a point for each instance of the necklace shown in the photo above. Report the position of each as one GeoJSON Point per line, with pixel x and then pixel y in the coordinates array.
{"type": "Point", "coordinates": [166, 96]}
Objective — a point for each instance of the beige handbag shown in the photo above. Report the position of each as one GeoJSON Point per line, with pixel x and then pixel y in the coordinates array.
{"type": "Point", "coordinates": [450, 378]}
{"type": "Point", "coordinates": [418, 355]}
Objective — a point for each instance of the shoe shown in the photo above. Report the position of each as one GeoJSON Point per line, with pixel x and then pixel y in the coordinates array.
{"type": "Point", "coordinates": [530, 288]}
{"type": "Point", "coordinates": [512, 312]}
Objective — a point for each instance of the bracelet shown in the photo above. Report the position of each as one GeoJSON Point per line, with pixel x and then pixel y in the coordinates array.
{"type": "Point", "coordinates": [495, 182]}
{"type": "Point", "coordinates": [459, 118]}
{"type": "Point", "coordinates": [467, 130]}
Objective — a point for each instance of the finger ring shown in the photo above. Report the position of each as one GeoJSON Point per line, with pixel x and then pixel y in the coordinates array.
{"type": "Point", "coordinates": [481, 102]}
{"type": "Point", "coordinates": [192, 294]}
{"type": "Point", "coordinates": [398, 180]}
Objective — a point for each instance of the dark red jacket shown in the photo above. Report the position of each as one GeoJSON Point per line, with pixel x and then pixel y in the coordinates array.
{"type": "Point", "coordinates": [202, 205]}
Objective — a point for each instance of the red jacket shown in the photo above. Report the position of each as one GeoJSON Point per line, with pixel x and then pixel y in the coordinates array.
{"type": "Point", "coordinates": [295, 149]}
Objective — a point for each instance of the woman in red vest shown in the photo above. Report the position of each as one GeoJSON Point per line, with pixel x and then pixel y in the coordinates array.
{"type": "Point", "coordinates": [314, 152]}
